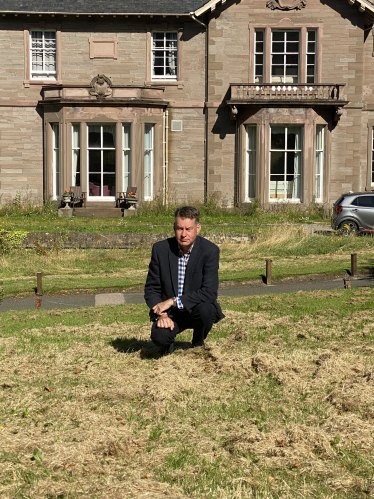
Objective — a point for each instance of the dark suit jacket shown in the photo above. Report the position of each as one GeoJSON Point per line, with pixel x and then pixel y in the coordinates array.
{"type": "Point", "coordinates": [201, 279]}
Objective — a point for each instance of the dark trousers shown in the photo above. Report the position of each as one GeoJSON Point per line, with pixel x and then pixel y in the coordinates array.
{"type": "Point", "coordinates": [200, 320]}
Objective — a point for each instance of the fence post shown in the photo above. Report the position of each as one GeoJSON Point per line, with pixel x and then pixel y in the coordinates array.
{"type": "Point", "coordinates": [347, 283]}
{"type": "Point", "coordinates": [39, 290]}
{"type": "Point", "coordinates": [354, 264]}
{"type": "Point", "coordinates": [268, 271]}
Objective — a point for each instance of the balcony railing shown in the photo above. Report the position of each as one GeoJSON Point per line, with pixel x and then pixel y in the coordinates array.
{"type": "Point", "coordinates": [260, 93]}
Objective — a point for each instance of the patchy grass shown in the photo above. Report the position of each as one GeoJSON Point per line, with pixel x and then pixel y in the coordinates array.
{"type": "Point", "coordinates": [280, 404]}
{"type": "Point", "coordinates": [293, 250]}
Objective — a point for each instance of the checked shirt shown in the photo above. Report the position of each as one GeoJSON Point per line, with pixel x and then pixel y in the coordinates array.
{"type": "Point", "coordinates": [182, 265]}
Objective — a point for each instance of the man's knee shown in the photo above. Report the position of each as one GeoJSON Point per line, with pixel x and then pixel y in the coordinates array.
{"type": "Point", "coordinates": [205, 313]}
{"type": "Point", "coordinates": [160, 336]}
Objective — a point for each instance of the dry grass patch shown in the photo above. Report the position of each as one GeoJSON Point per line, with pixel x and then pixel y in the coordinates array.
{"type": "Point", "coordinates": [279, 404]}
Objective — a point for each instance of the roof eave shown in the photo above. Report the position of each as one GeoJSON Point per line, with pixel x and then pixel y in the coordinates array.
{"type": "Point", "coordinates": [102, 14]}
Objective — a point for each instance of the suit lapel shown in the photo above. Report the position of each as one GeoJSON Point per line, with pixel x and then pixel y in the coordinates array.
{"type": "Point", "coordinates": [173, 265]}
{"type": "Point", "coordinates": [194, 258]}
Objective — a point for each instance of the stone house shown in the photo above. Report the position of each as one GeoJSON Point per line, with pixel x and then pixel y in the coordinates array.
{"type": "Point", "coordinates": [269, 99]}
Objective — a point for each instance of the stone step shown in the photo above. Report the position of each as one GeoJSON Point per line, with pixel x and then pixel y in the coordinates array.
{"type": "Point", "coordinates": [98, 212]}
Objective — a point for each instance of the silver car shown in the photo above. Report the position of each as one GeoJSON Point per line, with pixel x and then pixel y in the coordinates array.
{"type": "Point", "coordinates": [354, 212]}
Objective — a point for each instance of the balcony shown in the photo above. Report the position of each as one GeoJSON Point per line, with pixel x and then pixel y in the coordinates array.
{"type": "Point", "coordinates": [286, 94]}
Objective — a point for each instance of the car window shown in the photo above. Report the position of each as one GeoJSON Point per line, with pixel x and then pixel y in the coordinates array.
{"type": "Point", "coordinates": [339, 200]}
{"type": "Point", "coordinates": [355, 202]}
{"type": "Point", "coordinates": [365, 201]}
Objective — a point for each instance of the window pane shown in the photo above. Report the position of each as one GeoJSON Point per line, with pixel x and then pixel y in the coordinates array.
{"type": "Point", "coordinates": [278, 139]}
{"type": "Point", "coordinates": [94, 136]}
{"type": "Point", "coordinates": [292, 35]}
{"type": "Point", "coordinates": [94, 161]}
{"type": "Point", "coordinates": [278, 35]}
{"type": "Point", "coordinates": [109, 132]}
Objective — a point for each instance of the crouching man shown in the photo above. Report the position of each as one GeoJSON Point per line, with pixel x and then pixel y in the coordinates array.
{"type": "Point", "coordinates": [182, 283]}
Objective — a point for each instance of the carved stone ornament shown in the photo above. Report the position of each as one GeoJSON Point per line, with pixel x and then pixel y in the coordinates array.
{"type": "Point", "coordinates": [286, 4]}
{"type": "Point", "coordinates": [101, 87]}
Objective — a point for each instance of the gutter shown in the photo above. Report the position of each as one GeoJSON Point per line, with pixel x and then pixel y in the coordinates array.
{"type": "Point", "coordinates": [90, 14]}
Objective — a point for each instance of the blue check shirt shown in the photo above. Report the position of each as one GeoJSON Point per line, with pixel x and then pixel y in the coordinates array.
{"type": "Point", "coordinates": [182, 265]}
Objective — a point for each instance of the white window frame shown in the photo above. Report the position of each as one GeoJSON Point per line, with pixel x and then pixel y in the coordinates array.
{"type": "Point", "coordinates": [250, 174]}
{"type": "Point", "coordinates": [44, 50]}
{"type": "Point", "coordinates": [165, 50]}
{"type": "Point", "coordinates": [286, 150]}
{"type": "Point", "coordinates": [126, 154]}
{"type": "Point", "coordinates": [56, 187]}
{"type": "Point", "coordinates": [76, 149]}
{"type": "Point", "coordinates": [101, 149]}
{"type": "Point", "coordinates": [148, 173]}
{"type": "Point", "coordinates": [320, 163]}
{"type": "Point", "coordinates": [285, 53]}
{"type": "Point", "coordinates": [259, 76]}
{"type": "Point", "coordinates": [311, 53]}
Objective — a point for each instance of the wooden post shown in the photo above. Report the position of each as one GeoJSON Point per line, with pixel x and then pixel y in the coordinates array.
{"type": "Point", "coordinates": [268, 271]}
{"type": "Point", "coordinates": [347, 283]}
{"type": "Point", "coordinates": [39, 290]}
{"type": "Point", "coordinates": [354, 265]}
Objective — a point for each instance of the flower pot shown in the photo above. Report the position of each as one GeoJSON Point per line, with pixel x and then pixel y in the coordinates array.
{"type": "Point", "coordinates": [66, 199]}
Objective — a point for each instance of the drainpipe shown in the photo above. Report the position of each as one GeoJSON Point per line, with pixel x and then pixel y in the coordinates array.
{"type": "Point", "coordinates": [206, 26]}
{"type": "Point", "coordinates": [166, 158]}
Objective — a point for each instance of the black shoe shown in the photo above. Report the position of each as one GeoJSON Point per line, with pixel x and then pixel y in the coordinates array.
{"type": "Point", "coordinates": [168, 349]}
{"type": "Point", "coordinates": [198, 344]}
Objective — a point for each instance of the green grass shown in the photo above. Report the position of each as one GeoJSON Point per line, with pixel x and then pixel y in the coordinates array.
{"type": "Point", "coordinates": [293, 251]}
{"type": "Point", "coordinates": [279, 405]}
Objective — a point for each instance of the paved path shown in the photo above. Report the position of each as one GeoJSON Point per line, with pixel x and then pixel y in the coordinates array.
{"type": "Point", "coordinates": [83, 300]}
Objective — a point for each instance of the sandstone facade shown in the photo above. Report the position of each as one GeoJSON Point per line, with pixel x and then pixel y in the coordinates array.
{"type": "Point", "coordinates": [207, 122]}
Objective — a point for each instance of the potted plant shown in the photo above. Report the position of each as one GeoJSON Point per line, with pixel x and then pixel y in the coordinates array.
{"type": "Point", "coordinates": [131, 199]}
{"type": "Point", "coordinates": [66, 196]}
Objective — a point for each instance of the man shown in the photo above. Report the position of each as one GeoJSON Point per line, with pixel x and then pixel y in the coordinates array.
{"type": "Point", "coordinates": [182, 283]}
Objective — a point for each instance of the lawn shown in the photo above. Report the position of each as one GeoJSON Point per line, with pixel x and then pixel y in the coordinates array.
{"type": "Point", "coordinates": [279, 405]}
{"type": "Point", "coordinates": [293, 250]}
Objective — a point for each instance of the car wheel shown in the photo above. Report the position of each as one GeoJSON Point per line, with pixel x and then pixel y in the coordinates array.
{"type": "Point", "coordinates": [348, 227]}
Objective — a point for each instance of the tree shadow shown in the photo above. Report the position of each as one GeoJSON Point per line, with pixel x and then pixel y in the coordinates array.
{"type": "Point", "coordinates": [147, 349]}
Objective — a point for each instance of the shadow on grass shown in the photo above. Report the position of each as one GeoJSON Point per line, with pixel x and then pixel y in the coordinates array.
{"type": "Point", "coordinates": [146, 348]}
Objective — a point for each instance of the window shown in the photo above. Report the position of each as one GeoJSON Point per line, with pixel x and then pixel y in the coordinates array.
{"type": "Point", "coordinates": [148, 162]}
{"type": "Point", "coordinates": [318, 189]}
{"type": "Point", "coordinates": [364, 201]}
{"type": "Point", "coordinates": [76, 147]}
{"type": "Point", "coordinates": [259, 55]}
{"type": "Point", "coordinates": [43, 54]}
{"type": "Point", "coordinates": [311, 52]}
{"type": "Point", "coordinates": [165, 55]}
{"type": "Point", "coordinates": [250, 185]}
{"type": "Point", "coordinates": [42, 46]}
{"type": "Point", "coordinates": [126, 141]}
{"type": "Point", "coordinates": [56, 161]}
{"type": "Point", "coordinates": [285, 162]}
{"type": "Point", "coordinates": [285, 57]}
{"type": "Point", "coordinates": [101, 160]}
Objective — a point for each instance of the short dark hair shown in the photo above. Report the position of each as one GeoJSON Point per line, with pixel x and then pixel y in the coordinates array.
{"type": "Point", "coordinates": [188, 212]}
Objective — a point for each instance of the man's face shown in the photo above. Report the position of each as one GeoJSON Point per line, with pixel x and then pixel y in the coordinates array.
{"type": "Point", "coordinates": [186, 232]}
